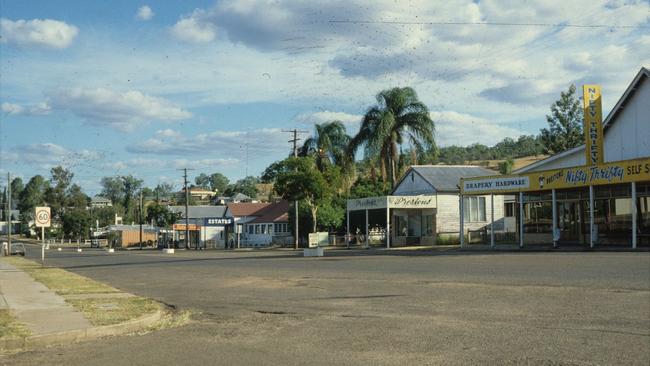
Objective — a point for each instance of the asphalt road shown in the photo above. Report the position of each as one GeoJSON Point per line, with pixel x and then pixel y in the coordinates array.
{"type": "Point", "coordinates": [404, 308]}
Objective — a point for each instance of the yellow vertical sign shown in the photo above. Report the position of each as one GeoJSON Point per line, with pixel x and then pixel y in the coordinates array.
{"type": "Point", "coordinates": [593, 114]}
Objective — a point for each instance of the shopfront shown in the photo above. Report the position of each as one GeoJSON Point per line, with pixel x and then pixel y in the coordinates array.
{"type": "Point", "coordinates": [422, 210]}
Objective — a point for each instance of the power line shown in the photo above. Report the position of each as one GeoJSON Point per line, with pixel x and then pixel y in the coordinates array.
{"type": "Point", "coordinates": [498, 24]}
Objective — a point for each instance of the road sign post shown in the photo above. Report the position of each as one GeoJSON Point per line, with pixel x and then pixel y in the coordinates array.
{"type": "Point", "coordinates": [42, 219]}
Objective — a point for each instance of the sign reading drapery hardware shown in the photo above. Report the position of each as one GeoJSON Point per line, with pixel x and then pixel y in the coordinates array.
{"type": "Point", "coordinates": [626, 171]}
{"type": "Point", "coordinates": [217, 221]}
{"type": "Point", "coordinates": [593, 127]}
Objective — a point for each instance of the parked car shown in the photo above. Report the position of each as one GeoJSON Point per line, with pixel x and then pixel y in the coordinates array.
{"type": "Point", "coordinates": [17, 249]}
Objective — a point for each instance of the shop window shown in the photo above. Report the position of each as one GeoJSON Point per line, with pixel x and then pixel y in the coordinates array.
{"type": "Point", "coordinates": [509, 209]}
{"type": "Point", "coordinates": [402, 228]}
{"type": "Point", "coordinates": [474, 209]}
{"type": "Point", "coordinates": [427, 225]}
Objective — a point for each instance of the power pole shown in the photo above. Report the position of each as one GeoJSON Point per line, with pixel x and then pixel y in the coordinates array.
{"type": "Point", "coordinates": [295, 203]}
{"type": "Point", "coordinates": [9, 210]}
{"type": "Point", "coordinates": [140, 219]}
{"type": "Point", "coordinates": [187, 202]}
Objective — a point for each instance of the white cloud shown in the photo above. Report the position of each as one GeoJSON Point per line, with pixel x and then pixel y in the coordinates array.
{"type": "Point", "coordinates": [144, 13]}
{"type": "Point", "coordinates": [38, 109]}
{"type": "Point", "coordinates": [47, 155]}
{"type": "Point", "coordinates": [194, 29]}
{"type": "Point", "coordinates": [453, 128]}
{"type": "Point", "coordinates": [329, 116]}
{"type": "Point", "coordinates": [222, 144]}
{"type": "Point", "coordinates": [38, 32]}
{"type": "Point", "coordinates": [123, 111]}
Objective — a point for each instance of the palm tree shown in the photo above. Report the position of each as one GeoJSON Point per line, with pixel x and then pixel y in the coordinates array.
{"type": "Point", "coordinates": [328, 145]}
{"type": "Point", "coordinates": [397, 118]}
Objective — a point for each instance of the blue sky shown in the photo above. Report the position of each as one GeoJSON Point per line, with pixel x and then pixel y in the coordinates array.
{"type": "Point", "coordinates": [146, 88]}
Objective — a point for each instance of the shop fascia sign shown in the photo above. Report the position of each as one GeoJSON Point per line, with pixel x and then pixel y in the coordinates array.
{"type": "Point", "coordinates": [372, 203]}
{"type": "Point", "coordinates": [626, 171]}
{"type": "Point", "coordinates": [217, 221]}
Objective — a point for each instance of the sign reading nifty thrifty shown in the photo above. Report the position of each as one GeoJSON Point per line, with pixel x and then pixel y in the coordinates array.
{"type": "Point", "coordinates": [593, 124]}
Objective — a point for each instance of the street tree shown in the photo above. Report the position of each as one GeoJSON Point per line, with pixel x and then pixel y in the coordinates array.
{"type": "Point", "coordinates": [77, 223]}
{"type": "Point", "coordinates": [55, 195]}
{"type": "Point", "coordinates": [565, 124]}
{"type": "Point", "coordinates": [161, 215]}
{"type": "Point", "coordinates": [399, 117]}
{"type": "Point", "coordinates": [301, 180]}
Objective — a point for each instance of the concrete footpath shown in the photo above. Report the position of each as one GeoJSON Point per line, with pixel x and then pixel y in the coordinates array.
{"type": "Point", "coordinates": [39, 308]}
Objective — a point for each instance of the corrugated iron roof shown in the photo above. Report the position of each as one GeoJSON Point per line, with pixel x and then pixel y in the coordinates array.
{"type": "Point", "coordinates": [447, 177]}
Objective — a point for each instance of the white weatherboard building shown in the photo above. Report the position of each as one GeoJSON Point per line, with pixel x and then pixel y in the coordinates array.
{"type": "Point", "coordinates": [423, 208]}
{"type": "Point", "coordinates": [564, 200]}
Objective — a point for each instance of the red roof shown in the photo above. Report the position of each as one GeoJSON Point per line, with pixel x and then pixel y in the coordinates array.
{"type": "Point", "coordinates": [265, 212]}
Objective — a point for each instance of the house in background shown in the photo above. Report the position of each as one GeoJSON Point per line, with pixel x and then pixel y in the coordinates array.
{"type": "Point", "coordinates": [261, 224]}
{"type": "Point", "coordinates": [99, 202]}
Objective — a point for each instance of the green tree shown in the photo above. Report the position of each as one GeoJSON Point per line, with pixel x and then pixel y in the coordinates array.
{"type": "Point", "coordinates": [565, 124]}
{"type": "Point", "coordinates": [247, 186]}
{"type": "Point", "coordinates": [55, 195]}
{"type": "Point", "coordinates": [17, 187]}
{"type": "Point", "coordinates": [301, 180]}
{"type": "Point", "coordinates": [77, 223]}
{"type": "Point", "coordinates": [161, 215]}
{"type": "Point", "coordinates": [106, 215]}
{"type": "Point", "coordinates": [505, 167]}
{"type": "Point", "coordinates": [32, 196]}
{"type": "Point", "coordinates": [75, 198]}
{"type": "Point", "coordinates": [218, 182]}
{"type": "Point", "coordinates": [131, 189]}
{"type": "Point", "coordinates": [202, 180]}
{"type": "Point", "coordinates": [399, 117]}
{"type": "Point", "coordinates": [327, 145]}
{"type": "Point", "coordinates": [163, 191]}
{"type": "Point", "coordinates": [113, 189]}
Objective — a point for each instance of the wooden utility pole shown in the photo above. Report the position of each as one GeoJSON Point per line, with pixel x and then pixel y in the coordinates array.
{"type": "Point", "coordinates": [295, 203]}
{"type": "Point", "coordinates": [141, 219]}
{"type": "Point", "coordinates": [187, 209]}
{"type": "Point", "coordinates": [9, 210]}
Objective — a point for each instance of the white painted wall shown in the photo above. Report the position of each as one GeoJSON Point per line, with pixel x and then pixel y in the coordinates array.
{"type": "Point", "coordinates": [413, 185]}
{"type": "Point", "coordinates": [629, 137]}
{"type": "Point", "coordinates": [448, 216]}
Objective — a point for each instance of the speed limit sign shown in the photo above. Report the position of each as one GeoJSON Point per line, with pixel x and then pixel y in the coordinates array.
{"type": "Point", "coordinates": [42, 218]}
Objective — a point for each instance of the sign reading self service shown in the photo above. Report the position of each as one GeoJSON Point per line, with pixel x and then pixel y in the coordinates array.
{"type": "Point", "coordinates": [217, 221]}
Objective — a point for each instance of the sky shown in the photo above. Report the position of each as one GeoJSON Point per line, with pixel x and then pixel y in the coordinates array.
{"type": "Point", "coordinates": [110, 88]}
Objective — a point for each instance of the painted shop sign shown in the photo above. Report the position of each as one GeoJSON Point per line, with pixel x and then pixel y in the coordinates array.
{"type": "Point", "coordinates": [372, 203]}
{"type": "Point", "coordinates": [626, 171]}
{"type": "Point", "coordinates": [412, 201]}
{"type": "Point", "coordinates": [217, 221]}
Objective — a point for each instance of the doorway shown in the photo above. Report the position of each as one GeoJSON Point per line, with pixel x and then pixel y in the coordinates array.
{"type": "Point", "coordinates": [570, 222]}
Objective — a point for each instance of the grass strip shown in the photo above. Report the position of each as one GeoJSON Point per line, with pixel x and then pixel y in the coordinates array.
{"type": "Point", "coordinates": [96, 306]}
{"type": "Point", "coordinates": [10, 327]}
